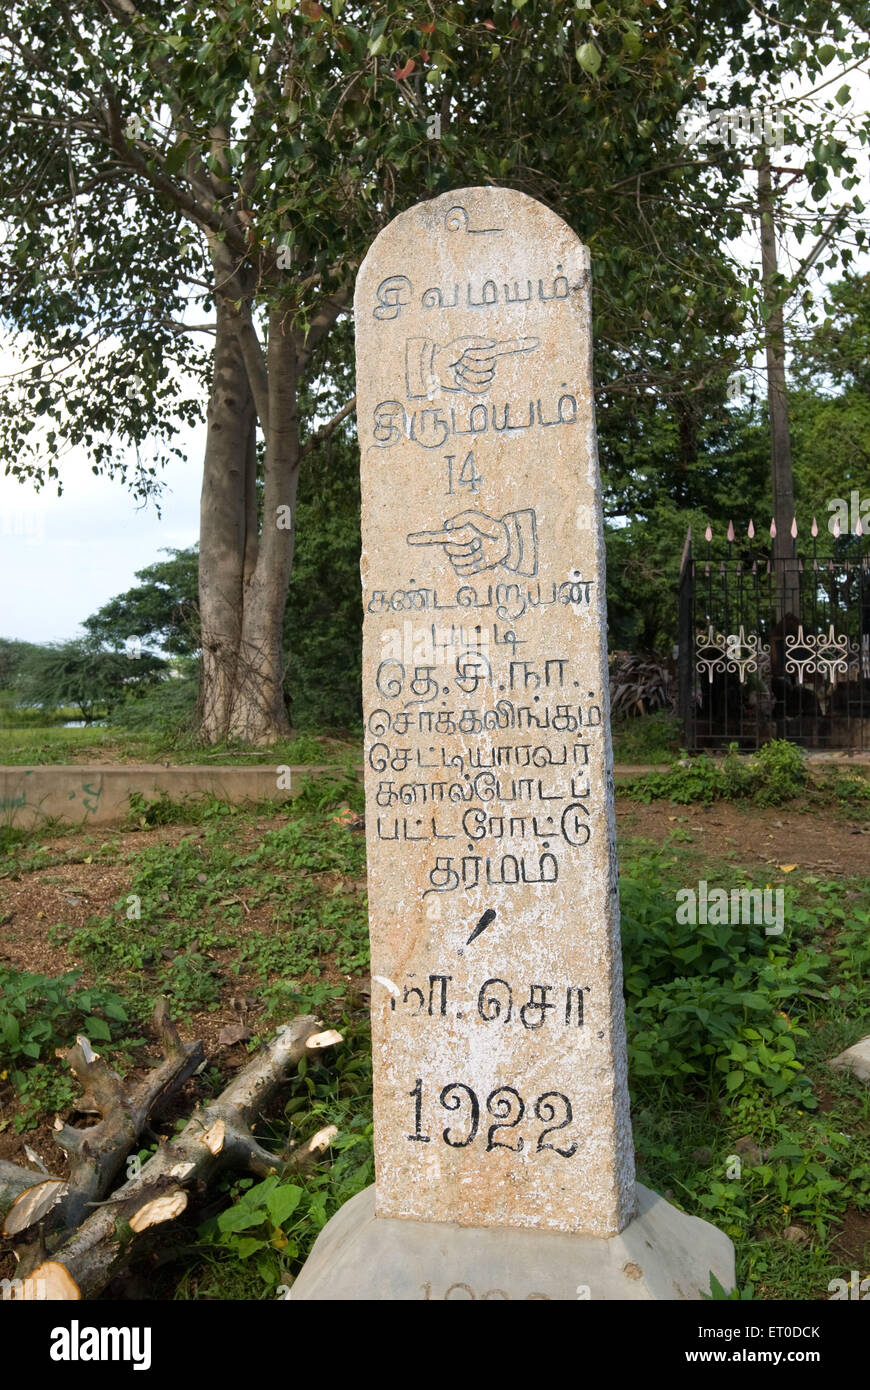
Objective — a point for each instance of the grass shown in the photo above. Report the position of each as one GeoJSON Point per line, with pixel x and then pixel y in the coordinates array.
{"type": "Point", "coordinates": [778, 774]}
{"type": "Point", "coordinates": [36, 736]}
{"type": "Point", "coordinates": [785, 1005]}
{"type": "Point", "coordinates": [652, 738]}
{"type": "Point", "coordinates": [14, 716]}
{"type": "Point", "coordinates": [729, 1030]}
{"type": "Point", "coordinates": [29, 746]}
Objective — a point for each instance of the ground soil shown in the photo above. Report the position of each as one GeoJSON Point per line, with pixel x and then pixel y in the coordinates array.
{"type": "Point", "coordinates": [89, 880]}
{"type": "Point", "coordinates": [87, 883]}
{"type": "Point", "coordinates": [811, 840]}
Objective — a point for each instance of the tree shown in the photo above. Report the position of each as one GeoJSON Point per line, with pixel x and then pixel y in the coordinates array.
{"type": "Point", "coordinates": [84, 675]}
{"type": "Point", "coordinates": [161, 610]}
{"type": "Point", "coordinates": [242, 159]}
{"type": "Point", "coordinates": [838, 348]}
{"type": "Point", "coordinates": [795, 39]}
{"type": "Point", "coordinates": [12, 657]}
{"type": "Point", "coordinates": [689, 467]}
{"type": "Point", "coordinates": [285, 140]}
{"type": "Point", "coordinates": [831, 410]}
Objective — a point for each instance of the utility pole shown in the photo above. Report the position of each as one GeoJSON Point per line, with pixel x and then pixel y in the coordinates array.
{"type": "Point", "coordinates": [785, 566]}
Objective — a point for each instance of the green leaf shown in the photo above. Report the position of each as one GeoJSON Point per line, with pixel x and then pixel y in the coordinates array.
{"type": "Point", "coordinates": [247, 1245]}
{"type": "Point", "coordinates": [282, 1203]}
{"type": "Point", "coordinates": [589, 58]}
{"type": "Point", "coordinates": [97, 1028]}
{"type": "Point", "coordinates": [177, 155]}
{"type": "Point", "coordinates": [632, 42]}
{"type": "Point", "coordinates": [826, 54]}
{"type": "Point", "coordinates": [239, 1218]}
{"type": "Point", "coordinates": [734, 1079]}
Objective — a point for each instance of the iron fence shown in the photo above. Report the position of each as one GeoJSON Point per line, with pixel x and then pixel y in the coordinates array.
{"type": "Point", "coordinates": [775, 647]}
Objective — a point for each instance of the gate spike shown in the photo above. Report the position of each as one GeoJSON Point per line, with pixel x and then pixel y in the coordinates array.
{"type": "Point", "coordinates": [750, 530]}
{"type": "Point", "coordinates": [731, 531]}
{"type": "Point", "coordinates": [794, 528]}
{"type": "Point", "coordinates": [859, 529]}
{"type": "Point", "coordinates": [836, 528]}
{"type": "Point", "coordinates": [814, 529]}
{"type": "Point", "coordinates": [708, 534]}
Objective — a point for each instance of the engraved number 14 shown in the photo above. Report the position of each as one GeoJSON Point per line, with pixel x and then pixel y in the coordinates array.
{"type": "Point", "coordinates": [467, 476]}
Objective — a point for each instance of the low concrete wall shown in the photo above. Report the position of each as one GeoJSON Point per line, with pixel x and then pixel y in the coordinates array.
{"type": "Point", "coordinates": [100, 795]}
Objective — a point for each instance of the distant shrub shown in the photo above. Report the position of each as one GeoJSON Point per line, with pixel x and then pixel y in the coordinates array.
{"type": "Point", "coordinates": [775, 774]}
{"type": "Point", "coordinates": [167, 710]}
{"type": "Point", "coordinates": [652, 738]}
{"type": "Point", "coordinates": [640, 684]}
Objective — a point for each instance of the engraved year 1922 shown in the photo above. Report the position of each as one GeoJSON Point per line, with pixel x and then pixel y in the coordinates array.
{"type": "Point", "coordinates": [506, 1106]}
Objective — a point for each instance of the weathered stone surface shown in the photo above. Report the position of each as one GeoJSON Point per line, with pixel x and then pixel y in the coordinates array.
{"type": "Point", "coordinates": [856, 1059]}
{"type": "Point", "coordinates": [499, 1047]}
{"type": "Point", "coordinates": [98, 794]}
{"type": "Point", "coordinates": [661, 1254]}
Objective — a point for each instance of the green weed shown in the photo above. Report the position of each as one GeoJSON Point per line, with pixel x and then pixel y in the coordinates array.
{"type": "Point", "coordinates": [774, 775]}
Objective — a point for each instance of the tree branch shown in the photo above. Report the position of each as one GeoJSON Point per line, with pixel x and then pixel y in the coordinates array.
{"type": "Point", "coordinates": [217, 1135]}
{"type": "Point", "coordinates": [320, 326]}
{"type": "Point", "coordinates": [255, 364]}
{"type": "Point", "coordinates": [326, 430]}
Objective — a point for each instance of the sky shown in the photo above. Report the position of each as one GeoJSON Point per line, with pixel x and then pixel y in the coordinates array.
{"type": "Point", "coordinates": [62, 558]}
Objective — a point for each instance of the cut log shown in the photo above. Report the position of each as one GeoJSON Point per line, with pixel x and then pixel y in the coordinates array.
{"type": "Point", "coordinates": [165, 1208]}
{"type": "Point", "coordinates": [15, 1181]}
{"type": "Point", "coordinates": [51, 1283]}
{"type": "Point", "coordinates": [96, 1155]}
{"type": "Point", "coordinates": [32, 1204]}
{"type": "Point", "coordinates": [320, 1040]}
{"type": "Point", "coordinates": [216, 1136]}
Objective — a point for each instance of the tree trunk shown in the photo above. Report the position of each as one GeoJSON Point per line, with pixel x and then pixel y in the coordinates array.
{"type": "Point", "coordinates": [785, 566]}
{"type": "Point", "coordinates": [258, 713]}
{"type": "Point", "coordinates": [225, 513]}
{"type": "Point", "coordinates": [244, 570]}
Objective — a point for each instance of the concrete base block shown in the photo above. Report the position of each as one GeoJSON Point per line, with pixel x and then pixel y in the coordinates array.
{"type": "Point", "coordinates": [661, 1254]}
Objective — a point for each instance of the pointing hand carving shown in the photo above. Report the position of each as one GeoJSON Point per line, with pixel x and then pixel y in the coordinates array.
{"type": "Point", "coordinates": [474, 541]}
{"type": "Point", "coordinates": [465, 364]}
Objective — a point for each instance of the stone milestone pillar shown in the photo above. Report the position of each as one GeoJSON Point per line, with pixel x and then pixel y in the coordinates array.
{"type": "Point", "coordinates": [503, 1150]}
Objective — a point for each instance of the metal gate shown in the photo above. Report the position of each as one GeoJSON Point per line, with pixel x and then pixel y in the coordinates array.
{"type": "Point", "coordinates": [775, 648]}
